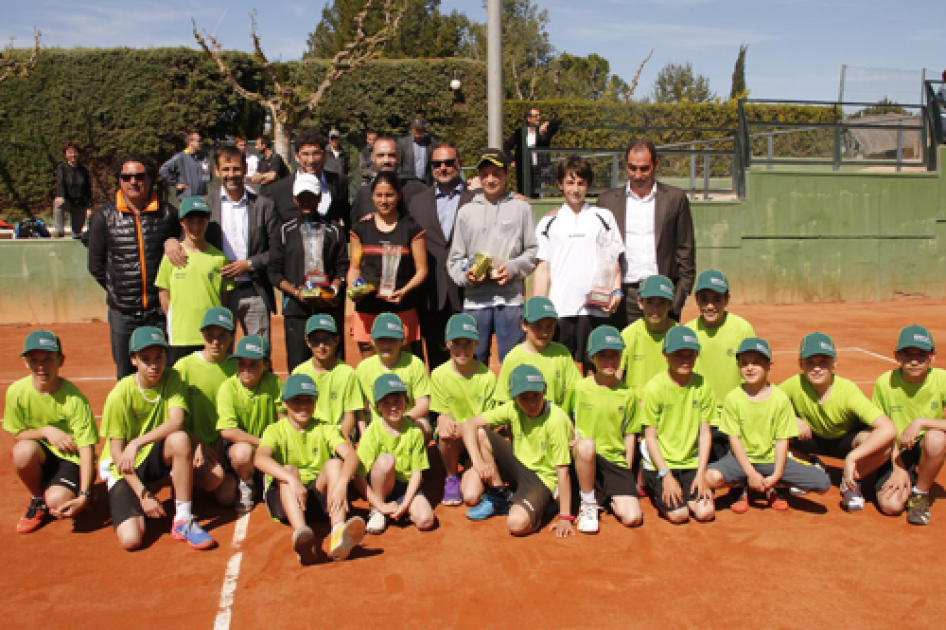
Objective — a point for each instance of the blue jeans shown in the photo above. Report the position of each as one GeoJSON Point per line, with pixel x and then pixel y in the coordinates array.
{"type": "Point", "coordinates": [504, 321]}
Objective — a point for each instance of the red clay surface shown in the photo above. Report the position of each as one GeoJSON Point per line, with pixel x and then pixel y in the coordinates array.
{"type": "Point", "coordinates": [813, 566]}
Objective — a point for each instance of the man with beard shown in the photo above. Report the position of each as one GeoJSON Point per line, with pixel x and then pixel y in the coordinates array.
{"type": "Point", "coordinates": [385, 156]}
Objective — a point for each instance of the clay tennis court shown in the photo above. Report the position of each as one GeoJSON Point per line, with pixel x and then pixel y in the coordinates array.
{"type": "Point", "coordinates": [814, 566]}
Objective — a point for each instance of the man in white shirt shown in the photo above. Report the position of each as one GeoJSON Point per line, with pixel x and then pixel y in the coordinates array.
{"type": "Point", "coordinates": [252, 164]}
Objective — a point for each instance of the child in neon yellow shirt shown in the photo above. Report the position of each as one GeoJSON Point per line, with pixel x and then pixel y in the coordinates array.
{"type": "Point", "coordinates": [643, 340]}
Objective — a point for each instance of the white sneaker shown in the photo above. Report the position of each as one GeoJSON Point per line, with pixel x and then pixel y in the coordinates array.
{"type": "Point", "coordinates": [588, 518]}
{"type": "Point", "coordinates": [377, 522]}
{"type": "Point", "coordinates": [244, 502]}
{"type": "Point", "coordinates": [852, 500]}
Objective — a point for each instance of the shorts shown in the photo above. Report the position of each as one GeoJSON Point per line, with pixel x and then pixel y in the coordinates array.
{"type": "Point", "coordinates": [57, 471]}
{"type": "Point", "coordinates": [399, 490]}
{"type": "Point", "coordinates": [797, 473]}
{"type": "Point", "coordinates": [720, 445]}
{"type": "Point", "coordinates": [361, 326]}
{"type": "Point", "coordinates": [911, 460]}
{"type": "Point", "coordinates": [528, 490]}
{"type": "Point", "coordinates": [572, 332]}
{"type": "Point", "coordinates": [684, 476]}
{"type": "Point", "coordinates": [832, 447]}
{"type": "Point", "coordinates": [273, 499]}
{"type": "Point", "coordinates": [611, 481]}
{"type": "Point", "coordinates": [122, 501]}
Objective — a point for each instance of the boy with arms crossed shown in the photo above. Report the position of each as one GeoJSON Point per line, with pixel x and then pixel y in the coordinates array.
{"type": "Point", "coordinates": [643, 356]}
{"type": "Point", "coordinates": [54, 453]}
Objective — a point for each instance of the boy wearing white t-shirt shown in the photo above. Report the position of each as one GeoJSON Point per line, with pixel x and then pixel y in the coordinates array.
{"type": "Point", "coordinates": [579, 246]}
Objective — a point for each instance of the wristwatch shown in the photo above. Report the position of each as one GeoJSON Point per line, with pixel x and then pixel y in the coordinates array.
{"type": "Point", "coordinates": [86, 493]}
{"type": "Point", "coordinates": [618, 292]}
{"type": "Point", "coordinates": [249, 264]}
{"type": "Point", "coordinates": [663, 472]}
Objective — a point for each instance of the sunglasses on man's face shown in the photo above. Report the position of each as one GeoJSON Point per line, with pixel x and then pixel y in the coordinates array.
{"type": "Point", "coordinates": [138, 177]}
{"type": "Point", "coordinates": [447, 163]}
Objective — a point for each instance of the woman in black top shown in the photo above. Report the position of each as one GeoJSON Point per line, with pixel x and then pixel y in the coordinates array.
{"type": "Point", "coordinates": [387, 226]}
{"type": "Point", "coordinates": [73, 192]}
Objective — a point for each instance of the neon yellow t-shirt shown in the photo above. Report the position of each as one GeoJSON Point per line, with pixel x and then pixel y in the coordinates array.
{"type": "Point", "coordinates": [66, 409]}
{"type": "Point", "coordinates": [759, 423]}
{"type": "Point", "coordinates": [338, 390]}
{"type": "Point", "coordinates": [251, 410]}
{"type": "Point", "coordinates": [540, 443]}
{"type": "Point", "coordinates": [717, 359]}
{"type": "Point", "coordinates": [904, 402]}
{"type": "Point", "coordinates": [195, 289]}
{"type": "Point", "coordinates": [128, 415]}
{"type": "Point", "coordinates": [202, 379]}
{"type": "Point", "coordinates": [604, 415]}
{"type": "Point", "coordinates": [411, 371]}
{"type": "Point", "coordinates": [844, 409]}
{"type": "Point", "coordinates": [555, 363]}
{"type": "Point", "coordinates": [460, 397]}
{"type": "Point", "coordinates": [408, 448]}
{"type": "Point", "coordinates": [643, 356]}
{"type": "Point", "coordinates": [678, 412]}
{"type": "Point", "coordinates": [307, 450]}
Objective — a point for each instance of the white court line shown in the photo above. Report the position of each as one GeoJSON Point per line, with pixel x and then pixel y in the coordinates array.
{"type": "Point", "coordinates": [868, 352]}
{"type": "Point", "coordinates": [227, 593]}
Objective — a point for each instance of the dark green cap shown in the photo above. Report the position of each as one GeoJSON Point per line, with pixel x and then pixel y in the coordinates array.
{"type": "Point", "coordinates": [462, 326]}
{"type": "Point", "coordinates": [252, 347]}
{"type": "Point", "coordinates": [537, 308]}
{"type": "Point", "coordinates": [387, 384]}
{"type": "Point", "coordinates": [219, 316]}
{"type": "Point", "coordinates": [604, 338]}
{"type": "Point", "coordinates": [656, 286]}
{"type": "Point", "coordinates": [41, 340]}
{"type": "Point", "coordinates": [680, 338]}
{"type": "Point", "coordinates": [387, 326]}
{"type": "Point", "coordinates": [299, 385]}
{"type": "Point", "coordinates": [915, 337]}
{"type": "Point", "coordinates": [712, 280]}
{"type": "Point", "coordinates": [321, 321]}
{"type": "Point", "coordinates": [145, 337]}
{"type": "Point", "coordinates": [525, 378]}
{"type": "Point", "coordinates": [192, 205]}
{"type": "Point", "coordinates": [817, 343]}
{"type": "Point", "coordinates": [754, 344]}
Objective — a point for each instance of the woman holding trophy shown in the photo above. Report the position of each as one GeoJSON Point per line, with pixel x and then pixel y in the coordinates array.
{"type": "Point", "coordinates": [388, 266]}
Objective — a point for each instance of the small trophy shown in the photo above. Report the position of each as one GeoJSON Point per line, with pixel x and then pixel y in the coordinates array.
{"type": "Point", "coordinates": [390, 259]}
{"type": "Point", "coordinates": [480, 264]}
{"type": "Point", "coordinates": [502, 247]}
{"type": "Point", "coordinates": [360, 288]}
{"type": "Point", "coordinates": [606, 257]}
{"type": "Point", "coordinates": [313, 239]}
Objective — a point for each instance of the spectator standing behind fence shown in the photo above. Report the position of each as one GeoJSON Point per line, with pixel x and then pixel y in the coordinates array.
{"type": "Point", "coordinates": [366, 168]}
{"type": "Point", "coordinates": [538, 136]}
{"type": "Point", "coordinates": [414, 152]}
{"type": "Point", "coordinates": [188, 171]}
{"type": "Point", "coordinates": [126, 243]}
{"type": "Point", "coordinates": [252, 164]}
{"type": "Point", "coordinates": [270, 166]}
{"type": "Point", "coordinates": [73, 192]}
{"type": "Point", "coordinates": [655, 222]}
{"type": "Point", "coordinates": [336, 158]}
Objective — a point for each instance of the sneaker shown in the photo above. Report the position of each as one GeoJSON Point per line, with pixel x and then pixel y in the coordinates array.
{"type": "Point", "coordinates": [346, 537]}
{"type": "Point", "coordinates": [852, 500]}
{"type": "Point", "coordinates": [777, 500]}
{"type": "Point", "coordinates": [588, 518]}
{"type": "Point", "coordinates": [493, 503]}
{"type": "Point", "coordinates": [451, 491]}
{"type": "Point", "coordinates": [303, 543]}
{"type": "Point", "coordinates": [193, 534]}
{"type": "Point", "coordinates": [740, 504]}
{"type": "Point", "coordinates": [918, 509]}
{"type": "Point", "coordinates": [35, 515]}
{"type": "Point", "coordinates": [244, 502]}
{"type": "Point", "coordinates": [377, 522]}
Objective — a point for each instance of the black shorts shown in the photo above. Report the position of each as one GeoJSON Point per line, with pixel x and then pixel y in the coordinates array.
{"type": "Point", "coordinates": [399, 490]}
{"type": "Point", "coordinates": [911, 460]}
{"type": "Point", "coordinates": [611, 481]}
{"type": "Point", "coordinates": [685, 477]}
{"type": "Point", "coordinates": [831, 447]}
{"type": "Point", "coordinates": [122, 501]}
{"type": "Point", "coordinates": [273, 499]}
{"type": "Point", "coordinates": [572, 332]}
{"type": "Point", "coordinates": [59, 472]}
{"type": "Point", "coordinates": [720, 446]}
{"type": "Point", "coordinates": [528, 490]}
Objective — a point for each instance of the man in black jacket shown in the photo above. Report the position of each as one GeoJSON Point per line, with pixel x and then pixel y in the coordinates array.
{"type": "Point", "coordinates": [126, 244]}
{"type": "Point", "coordinates": [385, 156]}
{"type": "Point", "coordinates": [538, 136]}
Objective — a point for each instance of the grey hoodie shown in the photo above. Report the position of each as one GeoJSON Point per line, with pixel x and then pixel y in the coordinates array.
{"type": "Point", "coordinates": [488, 228]}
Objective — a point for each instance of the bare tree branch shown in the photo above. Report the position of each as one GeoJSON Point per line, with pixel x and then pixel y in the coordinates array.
{"type": "Point", "coordinates": [13, 68]}
{"type": "Point", "coordinates": [630, 91]}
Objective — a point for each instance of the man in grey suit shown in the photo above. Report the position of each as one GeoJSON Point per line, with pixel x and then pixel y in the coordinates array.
{"type": "Point", "coordinates": [435, 209]}
{"type": "Point", "coordinates": [655, 221]}
{"type": "Point", "coordinates": [415, 151]}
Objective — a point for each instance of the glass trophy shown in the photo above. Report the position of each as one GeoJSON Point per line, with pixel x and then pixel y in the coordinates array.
{"type": "Point", "coordinates": [390, 259]}
{"type": "Point", "coordinates": [313, 240]}
{"type": "Point", "coordinates": [602, 282]}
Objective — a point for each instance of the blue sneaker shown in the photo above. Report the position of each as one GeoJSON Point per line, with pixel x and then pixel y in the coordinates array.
{"type": "Point", "coordinates": [193, 534]}
{"type": "Point", "coordinates": [493, 503]}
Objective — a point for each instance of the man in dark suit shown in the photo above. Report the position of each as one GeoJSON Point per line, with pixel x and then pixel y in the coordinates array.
{"type": "Point", "coordinates": [310, 155]}
{"type": "Point", "coordinates": [435, 209]}
{"type": "Point", "coordinates": [655, 221]}
{"type": "Point", "coordinates": [385, 157]}
{"type": "Point", "coordinates": [538, 136]}
{"type": "Point", "coordinates": [414, 153]}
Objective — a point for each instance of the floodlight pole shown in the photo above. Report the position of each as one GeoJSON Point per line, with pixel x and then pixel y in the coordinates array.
{"type": "Point", "coordinates": [494, 73]}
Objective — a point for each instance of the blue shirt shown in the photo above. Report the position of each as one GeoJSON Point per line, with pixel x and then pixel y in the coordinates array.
{"type": "Point", "coordinates": [420, 161]}
{"type": "Point", "coordinates": [447, 206]}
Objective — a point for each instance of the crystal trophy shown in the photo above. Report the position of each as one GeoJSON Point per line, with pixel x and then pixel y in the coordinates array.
{"type": "Point", "coordinates": [313, 239]}
{"type": "Point", "coordinates": [390, 259]}
{"type": "Point", "coordinates": [602, 283]}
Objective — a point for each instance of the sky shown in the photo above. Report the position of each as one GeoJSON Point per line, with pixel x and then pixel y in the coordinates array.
{"type": "Point", "coordinates": [796, 47]}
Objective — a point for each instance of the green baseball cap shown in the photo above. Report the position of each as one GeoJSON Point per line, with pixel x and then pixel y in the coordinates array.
{"type": "Point", "coordinates": [462, 326]}
{"type": "Point", "coordinates": [252, 347]}
{"type": "Point", "coordinates": [525, 378]}
{"type": "Point", "coordinates": [680, 338]}
{"type": "Point", "coordinates": [219, 316]}
{"type": "Point", "coordinates": [299, 385]}
{"type": "Point", "coordinates": [192, 205]}
{"type": "Point", "coordinates": [754, 344]}
{"type": "Point", "coordinates": [656, 286]}
{"type": "Point", "coordinates": [321, 321]}
{"type": "Point", "coordinates": [387, 326]}
{"type": "Point", "coordinates": [817, 343]}
{"type": "Point", "coordinates": [537, 308]}
{"type": "Point", "coordinates": [712, 280]}
{"type": "Point", "coordinates": [604, 338]}
{"type": "Point", "coordinates": [915, 337]}
{"type": "Point", "coordinates": [41, 340]}
{"type": "Point", "coordinates": [387, 384]}
{"type": "Point", "coordinates": [145, 337]}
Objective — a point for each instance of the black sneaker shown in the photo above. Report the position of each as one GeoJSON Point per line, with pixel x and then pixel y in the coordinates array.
{"type": "Point", "coordinates": [918, 509]}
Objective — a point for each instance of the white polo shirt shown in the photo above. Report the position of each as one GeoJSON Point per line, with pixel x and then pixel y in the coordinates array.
{"type": "Point", "coordinates": [569, 243]}
{"type": "Point", "coordinates": [639, 241]}
{"type": "Point", "coordinates": [235, 226]}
